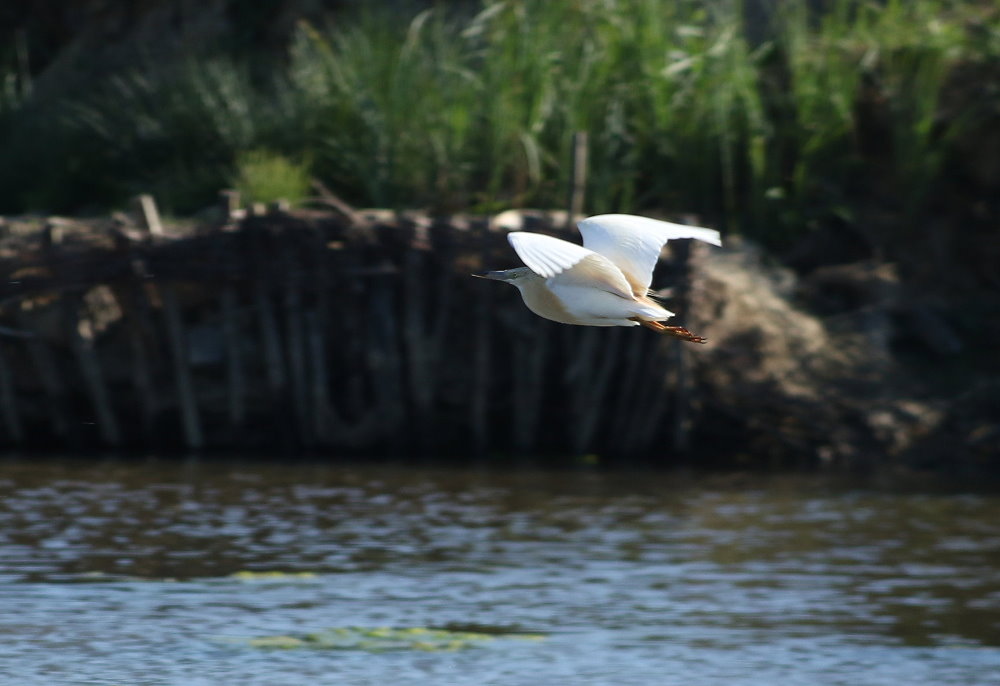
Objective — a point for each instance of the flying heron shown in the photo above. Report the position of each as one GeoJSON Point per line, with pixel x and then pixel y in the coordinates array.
{"type": "Point", "coordinates": [604, 282]}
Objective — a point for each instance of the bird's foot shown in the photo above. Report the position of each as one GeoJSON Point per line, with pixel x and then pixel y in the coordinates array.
{"type": "Point", "coordinates": [675, 331]}
{"type": "Point", "coordinates": [683, 334]}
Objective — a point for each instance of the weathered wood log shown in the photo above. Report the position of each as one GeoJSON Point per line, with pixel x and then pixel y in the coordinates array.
{"type": "Point", "coordinates": [15, 333]}
{"type": "Point", "coordinates": [333, 201]}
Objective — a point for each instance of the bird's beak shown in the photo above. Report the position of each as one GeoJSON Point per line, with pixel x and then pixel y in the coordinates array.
{"type": "Point", "coordinates": [494, 276]}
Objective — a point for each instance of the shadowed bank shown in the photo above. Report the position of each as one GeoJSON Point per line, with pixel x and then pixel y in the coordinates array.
{"type": "Point", "coordinates": [846, 150]}
{"type": "Point", "coordinates": [364, 333]}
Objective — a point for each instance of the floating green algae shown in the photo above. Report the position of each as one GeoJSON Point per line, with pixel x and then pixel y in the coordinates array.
{"type": "Point", "coordinates": [248, 575]}
{"type": "Point", "coordinates": [381, 639]}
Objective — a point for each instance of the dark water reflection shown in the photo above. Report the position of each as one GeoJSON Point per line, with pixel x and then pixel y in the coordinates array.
{"type": "Point", "coordinates": [121, 573]}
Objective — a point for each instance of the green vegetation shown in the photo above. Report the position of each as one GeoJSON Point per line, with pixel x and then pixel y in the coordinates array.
{"type": "Point", "coordinates": [275, 575]}
{"type": "Point", "coordinates": [263, 176]}
{"type": "Point", "coordinates": [381, 639]}
{"type": "Point", "coordinates": [766, 126]}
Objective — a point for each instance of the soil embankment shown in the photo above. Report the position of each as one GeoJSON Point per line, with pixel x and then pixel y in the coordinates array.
{"type": "Point", "coordinates": [313, 331]}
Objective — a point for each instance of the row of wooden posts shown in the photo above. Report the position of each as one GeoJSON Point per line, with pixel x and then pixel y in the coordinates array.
{"type": "Point", "coordinates": [318, 333]}
{"type": "Point", "coordinates": [333, 330]}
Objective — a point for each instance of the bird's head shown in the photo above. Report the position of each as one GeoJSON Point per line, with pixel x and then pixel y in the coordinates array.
{"type": "Point", "coordinates": [512, 276]}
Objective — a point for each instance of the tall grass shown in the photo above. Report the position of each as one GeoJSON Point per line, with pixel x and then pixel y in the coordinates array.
{"type": "Point", "coordinates": [15, 76]}
{"type": "Point", "coordinates": [449, 109]}
{"type": "Point", "coordinates": [386, 108]}
{"type": "Point", "coordinates": [915, 45]}
{"type": "Point", "coordinates": [12, 91]}
{"type": "Point", "coordinates": [482, 112]}
{"type": "Point", "coordinates": [866, 75]}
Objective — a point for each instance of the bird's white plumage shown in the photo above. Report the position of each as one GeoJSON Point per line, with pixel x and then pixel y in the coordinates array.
{"type": "Point", "coordinates": [568, 264]}
{"type": "Point", "coordinates": [603, 282]}
{"type": "Point", "coordinates": [633, 243]}
{"type": "Point", "coordinates": [546, 255]}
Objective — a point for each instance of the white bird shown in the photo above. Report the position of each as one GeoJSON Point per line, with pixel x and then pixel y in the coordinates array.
{"type": "Point", "coordinates": [604, 282]}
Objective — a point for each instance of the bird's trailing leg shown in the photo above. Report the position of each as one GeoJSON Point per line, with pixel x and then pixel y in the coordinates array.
{"type": "Point", "coordinates": [675, 331]}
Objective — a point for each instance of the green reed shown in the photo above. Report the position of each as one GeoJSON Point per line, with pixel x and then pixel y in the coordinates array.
{"type": "Point", "coordinates": [447, 109]}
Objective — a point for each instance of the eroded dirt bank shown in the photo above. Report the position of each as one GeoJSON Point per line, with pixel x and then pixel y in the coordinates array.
{"type": "Point", "coordinates": [343, 334]}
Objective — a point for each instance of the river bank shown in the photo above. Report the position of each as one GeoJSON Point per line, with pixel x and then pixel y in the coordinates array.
{"type": "Point", "coordinates": [347, 332]}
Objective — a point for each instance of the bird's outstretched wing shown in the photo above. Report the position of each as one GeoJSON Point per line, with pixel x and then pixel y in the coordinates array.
{"type": "Point", "coordinates": [568, 263]}
{"type": "Point", "coordinates": [633, 243]}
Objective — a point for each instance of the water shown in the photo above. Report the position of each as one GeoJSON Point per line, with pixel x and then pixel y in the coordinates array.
{"type": "Point", "coordinates": [154, 573]}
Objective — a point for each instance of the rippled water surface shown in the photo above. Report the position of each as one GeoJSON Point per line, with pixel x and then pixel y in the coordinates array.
{"type": "Point", "coordinates": [201, 573]}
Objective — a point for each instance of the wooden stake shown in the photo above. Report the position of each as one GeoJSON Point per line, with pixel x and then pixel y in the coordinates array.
{"type": "Point", "coordinates": [656, 396]}
{"type": "Point", "coordinates": [415, 341]}
{"type": "Point", "coordinates": [229, 203]}
{"type": "Point", "coordinates": [590, 414]}
{"type": "Point", "coordinates": [480, 402]}
{"type": "Point", "coordinates": [581, 347]}
{"type": "Point", "coordinates": [350, 332]}
{"type": "Point", "coordinates": [325, 422]}
{"type": "Point", "coordinates": [636, 359]}
{"type": "Point", "coordinates": [578, 181]}
{"type": "Point", "coordinates": [260, 259]}
{"type": "Point", "coordinates": [131, 297]}
{"type": "Point", "coordinates": [149, 214]}
{"type": "Point", "coordinates": [8, 402]}
{"type": "Point", "coordinates": [385, 367]}
{"type": "Point", "coordinates": [280, 206]}
{"type": "Point", "coordinates": [52, 236]}
{"type": "Point", "coordinates": [270, 337]}
{"type": "Point", "coordinates": [530, 344]}
{"type": "Point", "coordinates": [190, 421]}
{"type": "Point", "coordinates": [295, 346]}
{"type": "Point", "coordinates": [48, 373]}
{"type": "Point", "coordinates": [235, 383]}
{"type": "Point", "coordinates": [142, 334]}
{"type": "Point", "coordinates": [90, 370]}
{"type": "Point", "coordinates": [679, 358]}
